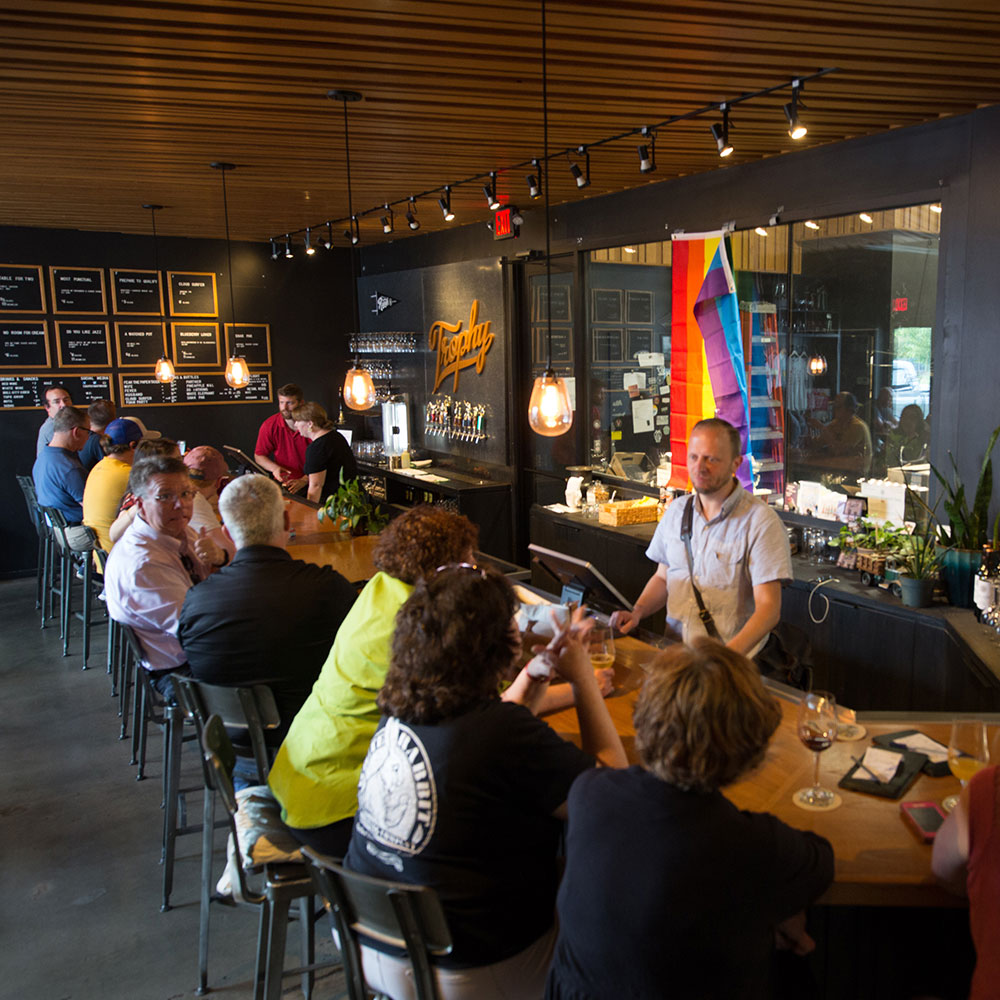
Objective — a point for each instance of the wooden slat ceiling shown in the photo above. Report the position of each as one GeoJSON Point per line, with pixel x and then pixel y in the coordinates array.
{"type": "Point", "coordinates": [109, 105]}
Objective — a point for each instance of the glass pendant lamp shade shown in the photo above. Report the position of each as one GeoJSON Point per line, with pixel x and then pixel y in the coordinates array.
{"type": "Point", "coordinates": [549, 412]}
{"type": "Point", "coordinates": [164, 370]}
{"type": "Point", "coordinates": [237, 373]}
{"type": "Point", "coordinates": [359, 390]}
{"type": "Point", "coordinates": [817, 364]}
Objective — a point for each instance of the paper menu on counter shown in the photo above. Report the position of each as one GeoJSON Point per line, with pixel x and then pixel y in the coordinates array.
{"type": "Point", "coordinates": [936, 752]}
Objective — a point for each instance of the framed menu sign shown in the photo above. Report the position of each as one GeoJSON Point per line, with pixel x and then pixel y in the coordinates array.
{"type": "Point", "coordinates": [25, 392]}
{"type": "Point", "coordinates": [140, 345]}
{"type": "Point", "coordinates": [192, 389]}
{"type": "Point", "coordinates": [24, 343]}
{"type": "Point", "coordinates": [607, 345]}
{"type": "Point", "coordinates": [192, 293]}
{"type": "Point", "coordinates": [607, 305]}
{"type": "Point", "coordinates": [136, 291]}
{"type": "Point", "coordinates": [196, 344]}
{"type": "Point", "coordinates": [562, 344]}
{"type": "Point", "coordinates": [22, 289]}
{"type": "Point", "coordinates": [83, 345]}
{"type": "Point", "coordinates": [251, 341]}
{"type": "Point", "coordinates": [78, 290]}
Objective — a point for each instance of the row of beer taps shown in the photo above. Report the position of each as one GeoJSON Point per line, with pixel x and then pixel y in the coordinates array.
{"type": "Point", "coordinates": [457, 419]}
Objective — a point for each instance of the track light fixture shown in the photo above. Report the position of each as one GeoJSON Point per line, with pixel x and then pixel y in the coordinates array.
{"type": "Point", "coordinates": [490, 192]}
{"type": "Point", "coordinates": [647, 152]}
{"type": "Point", "coordinates": [353, 235]}
{"type": "Point", "coordinates": [310, 249]}
{"type": "Point", "coordinates": [387, 220]}
{"type": "Point", "coordinates": [534, 185]}
{"type": "Point", "coordinates": [328, 242]}
{"type": "Point", "coordinates": [411, 215]}
{"type": "Point", "coordinates": [796, 130]}
{"type": "Point", "coordinates": [720, 132]}
{"type": "Point", "coordinates": [445, 204]}
{"type": "Point", "coordinates": [288, 247]}
{"type": "Point", "coordinates": [582, 178]}
{"type": "Point", "coordinates": [274, 249]}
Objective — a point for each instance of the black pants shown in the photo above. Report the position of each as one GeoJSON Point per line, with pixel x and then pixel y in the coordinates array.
{"type": "Point", "coordinates": [331, 839]}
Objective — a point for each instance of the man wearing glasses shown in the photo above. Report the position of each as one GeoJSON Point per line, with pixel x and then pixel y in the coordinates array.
{"type": "Point", "coordinates": [56, 397]}
{"type": "Point", "coordinates": [156, 562]}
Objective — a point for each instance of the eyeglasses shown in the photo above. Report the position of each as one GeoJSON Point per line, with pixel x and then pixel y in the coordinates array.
{"type": "Point", "coordinates": [185, 495]}
{"type": "Point", "coordinates": [471, 567]}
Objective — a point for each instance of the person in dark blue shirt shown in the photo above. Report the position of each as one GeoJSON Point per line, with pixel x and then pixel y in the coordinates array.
{"type": "Point", "coordinates": [57, 472]}
{"type": "Point", "coordinates": [100, 413]}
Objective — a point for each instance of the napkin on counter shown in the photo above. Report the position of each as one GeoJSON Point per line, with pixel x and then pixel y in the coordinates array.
{"type": "Point", "coordinates": [884, 763]}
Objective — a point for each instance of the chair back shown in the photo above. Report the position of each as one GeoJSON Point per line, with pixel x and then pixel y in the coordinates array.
{"type": "Point", "coordinates": [395, 913]}
{"type": "Point", "coordinates": [250, 708]}
{"type": "Point", "coordinates": [27, 485]}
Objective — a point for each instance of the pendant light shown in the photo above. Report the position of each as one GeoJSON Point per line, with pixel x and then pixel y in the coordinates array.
{"type": "Point", "coordinates": [549, 412]}
{"type": "Point", "coordinates": [817, 365]}
{"type": "Point", "coordinates": [164, 369]}
{"type": "Point", "coordinates": [359, 390]}
{"type": "Point", "coordinates": [237, 372]}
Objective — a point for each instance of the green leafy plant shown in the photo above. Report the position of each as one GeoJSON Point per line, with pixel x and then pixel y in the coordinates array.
{"type": "Point", "coordinates": [352, 507]}
{"type": "Point", "coordinates": [918, 556]}
{"type": "Point", "coordinates": [865, 534]}
{"type": "Point", "coordinates": [968, 528]}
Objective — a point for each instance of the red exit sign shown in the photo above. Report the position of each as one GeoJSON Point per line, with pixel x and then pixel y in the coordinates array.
{"type": "Point", "coordinates": [900, 305]}
{"type": "Point", "coordinates": [504, 227]}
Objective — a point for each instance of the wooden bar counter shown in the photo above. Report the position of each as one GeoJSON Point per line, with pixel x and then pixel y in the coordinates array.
{"type": "Point", "coordinates": [321, 542]}
{"type": "Point", "coordinates": [879, 861]}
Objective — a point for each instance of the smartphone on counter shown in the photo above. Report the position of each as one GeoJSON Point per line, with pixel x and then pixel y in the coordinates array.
{"type": "Point", "coordinates": [924, 817]}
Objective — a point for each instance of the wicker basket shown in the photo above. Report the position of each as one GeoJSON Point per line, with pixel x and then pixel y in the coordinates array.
{"type": "Point", "coordinates": [626, 512]}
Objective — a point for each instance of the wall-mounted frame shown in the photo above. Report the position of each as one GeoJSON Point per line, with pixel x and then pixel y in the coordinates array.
{"type": "Point", "coordinates": [606, 345]}
{"type": "Point", "coordinates": [192, 293]}
{"type": "Point", "coordinates": [22, 289]}
{"type": "Point", "coordinates": [192, 389]}
{"type": "Point", "coordinates": [83, 344]}
{"type": "Point", "coordinates": [639, 341]}
{"type": "Point", "coordinates": [562, 344]}
{"type": "Point", "coordinates": [139, 344]}
{"type": "Point", "coordinates": [195, 344]}
{"type": "Point", "coordinates": [562, 303]}
{"type": "Point", "coordinates": [639, 306]}
{"type": "Point", "coordinates": [606, 305]}
{"type": "Point", "coordinates": [78, 290]}
{"type": "Point", "coordinates": [24, 344]}
{"type": "Point", "coordinates": [251, 341]}
{"type": "Point", "coordinates": [136, 293]}
{"type": "Point", "coordinates": [25, 392]}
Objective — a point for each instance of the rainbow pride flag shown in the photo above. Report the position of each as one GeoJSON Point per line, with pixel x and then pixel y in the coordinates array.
{"type": "Point", "coordinates": [707, 365]}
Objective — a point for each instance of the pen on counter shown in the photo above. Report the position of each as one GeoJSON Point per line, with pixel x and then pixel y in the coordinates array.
{"type": "Point", "coordinates": [864, 767]}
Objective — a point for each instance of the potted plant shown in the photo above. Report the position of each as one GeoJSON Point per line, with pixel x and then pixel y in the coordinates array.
{"type": "Point", "coordinates": [351, 506]}
{"type": "Point", "coordinates": [920, 562]}
{"type": "Point", "coordinates": [967, 531]}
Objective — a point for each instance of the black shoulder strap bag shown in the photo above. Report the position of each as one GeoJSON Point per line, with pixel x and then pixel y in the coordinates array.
{"type": "Point", "coordinates": [704, 614]}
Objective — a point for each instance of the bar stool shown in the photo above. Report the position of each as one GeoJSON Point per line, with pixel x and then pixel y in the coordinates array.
{"type": "Point", "coordinates": [27, 485]}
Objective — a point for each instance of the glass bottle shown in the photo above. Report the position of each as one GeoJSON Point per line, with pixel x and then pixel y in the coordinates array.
{"type": "Point", "coordinates": [982, 589]}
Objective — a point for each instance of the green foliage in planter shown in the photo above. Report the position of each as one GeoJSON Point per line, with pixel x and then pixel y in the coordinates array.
{"type": "Point", "coordinates": [968, 528]}
{"type": "Point", "coordinates": [865, 534]}
{"type": "Point", "coordinates": [918, 557]}
{"type": "Point", "coordinates": [351, 504]}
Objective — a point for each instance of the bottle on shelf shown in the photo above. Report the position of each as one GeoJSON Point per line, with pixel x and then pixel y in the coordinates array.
{"type": "Point", "coordinates": [982, 588]}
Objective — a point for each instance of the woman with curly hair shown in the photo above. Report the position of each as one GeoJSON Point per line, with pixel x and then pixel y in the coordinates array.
{"type": "Point", "coordinates": [659, 847]}
{"type": "Point", "coordinates": [464, 792]}
{"type": "Point", "coordinates": [315, 774]}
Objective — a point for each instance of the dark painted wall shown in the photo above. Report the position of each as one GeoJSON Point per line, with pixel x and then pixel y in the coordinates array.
{"type": "Point", "coordinates": [307, 302]}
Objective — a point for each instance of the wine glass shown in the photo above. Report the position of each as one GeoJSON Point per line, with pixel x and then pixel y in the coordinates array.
{"type": "Point", "coordinates": [817, 726]}
{"type": "Point", "coordinates": [601, 647]}
{"type": "Point", "coordinates": [968, 752]}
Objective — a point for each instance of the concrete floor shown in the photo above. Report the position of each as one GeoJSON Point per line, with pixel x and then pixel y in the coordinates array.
{"type": "Point", "coordinates": [80, 842]}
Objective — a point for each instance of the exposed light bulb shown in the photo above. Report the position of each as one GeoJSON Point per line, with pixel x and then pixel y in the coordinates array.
{"type": "Point", "coordinates": [760, 231]}
{"type": "Point", "coordinates": [549, 412]}
{"type": "Point", "coordinates": [359, 390]}
{"type": "Point", "coordinates": [809, 224]}
{"type": "Point", "coordinates": [237, 373]}
{"type": "Point", "coordinates": [164, 370]}
{"type": "Point", "coordinates": [865, 217]}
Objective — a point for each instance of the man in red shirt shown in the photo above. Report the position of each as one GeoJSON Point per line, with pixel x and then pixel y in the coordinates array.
{"type": "Point", "coordinates": [280, 448]}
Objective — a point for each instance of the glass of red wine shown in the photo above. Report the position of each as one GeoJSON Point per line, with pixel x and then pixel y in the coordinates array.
{"type": "Point", "coordinates": [817, 726]}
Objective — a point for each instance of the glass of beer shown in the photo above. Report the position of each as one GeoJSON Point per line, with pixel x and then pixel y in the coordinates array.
{"type": "Point", "coordinates": [968, 752]}
{"type": "Point", "coordinates": [601, 646]}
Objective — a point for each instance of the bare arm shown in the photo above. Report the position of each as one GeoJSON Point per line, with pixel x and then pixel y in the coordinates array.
{"type": "Point", "coordinates": [121, 522]}
{"type": "Point", "coordinates": [766, 614]}
{"type": "Point", "coordinates": [268, 463]}
{"type": "Point", "coordinates": [951, 847]}
{"type": "Point", "coordinates": [316, 481]}
{"type": "Point", "coordinates": [652, 598]}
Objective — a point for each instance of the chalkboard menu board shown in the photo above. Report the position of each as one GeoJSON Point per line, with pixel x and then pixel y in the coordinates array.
{"type": "Point", "coordinates": [205, 387]}
{"type": "Point", "coordinates": [78, 290]}
{"type": "Point", "coordinates": [83, 345]}
{"type": "Point", "coordinates": [562, 344]}
{"type": "Point", "coordinates": [196, 344]}
{"type": "Point", "coordinates": [639, 342]}
{"type": "Point", "coordinates": [251, 341]}
{"type": "Point", "coordinates": [640, 307]}
{"type": "Point", "coordinates": [24, 343]}
{"type": "Point", "coordinates": [22, 289]}
{"type": "Point", "coordinates": [607, 305]}
{"type": "Point", "coordinates": [24, 392]}
{"type": "Point", "coordinates": [137, 292]}
{"type": "Point", "coordinates": [607, 345]}
{"type": "Point", "coordinates": [140, 345]}
{"type": "Point", "coordinates": [192, 293]}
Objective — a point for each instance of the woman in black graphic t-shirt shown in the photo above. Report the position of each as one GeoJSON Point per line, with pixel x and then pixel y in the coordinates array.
{"type": "Point", "coordinates": [327, 454]}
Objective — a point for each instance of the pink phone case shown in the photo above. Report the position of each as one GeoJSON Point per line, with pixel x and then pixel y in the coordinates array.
{"type": "Point", "coordinates": [917, 814]}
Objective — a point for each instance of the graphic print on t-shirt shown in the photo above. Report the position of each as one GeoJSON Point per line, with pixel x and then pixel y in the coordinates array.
{"type": "Point", "coordinates": [397, 798]}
